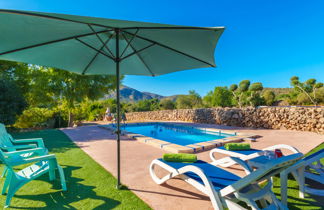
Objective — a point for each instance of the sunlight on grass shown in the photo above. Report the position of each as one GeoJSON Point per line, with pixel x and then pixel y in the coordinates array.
{"type": "Point", "coordinates": [89, 185]}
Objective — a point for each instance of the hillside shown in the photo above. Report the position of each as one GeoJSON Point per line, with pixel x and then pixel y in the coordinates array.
{"type": "Point", "coordinates": [129, 94]}
{"type": "Point", "coordinates": [278, 91]}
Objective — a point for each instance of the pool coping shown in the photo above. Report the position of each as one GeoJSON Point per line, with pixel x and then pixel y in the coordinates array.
{"type": "Point", "coordinates": [191, 148]}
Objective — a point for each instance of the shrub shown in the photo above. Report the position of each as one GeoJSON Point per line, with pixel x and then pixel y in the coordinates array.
{"type": "Point", "coordinates": [95, 111]}
{"type": "Point", "coordinates": [269, 97]}
{"type": "Point", "coordinates": [35, 117]}
{"type": "Point", "coordinates": [222, 97]}
{"type": "Point", "coordinates": [12, 102]}
{"type": "Point", "coordinates": [167, 104]}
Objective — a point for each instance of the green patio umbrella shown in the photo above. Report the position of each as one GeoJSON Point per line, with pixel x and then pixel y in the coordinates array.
{"type": "Point", "coordinates": [88, 45]}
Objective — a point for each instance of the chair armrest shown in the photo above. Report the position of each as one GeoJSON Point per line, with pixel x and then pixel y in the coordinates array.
{"type": "Point", "coordinates": [242, 163]}
{"type": "Point", "coordinates": [39, 141]}
{"type": "Point", "coordinates": [22, 161]}
{"type": "Point", "coordinates": [21, 152]}
{"type": "Point", "coordinates": [17, 147]}
{"type": "Point", "coordinates": [39, 158]}
{"type": "Point", "coordinates": [283, 146]}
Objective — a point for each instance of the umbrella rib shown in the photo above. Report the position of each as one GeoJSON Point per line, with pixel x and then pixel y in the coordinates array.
{"type": "Point", "coordinates": [172, 49]}
{"type": "Point", "coordinates": [128, 43]}
{"type": "Point", "coordinates": [176, 27]}
{"type": "Point", "coordinates": [51, 42]}
{"type": "Point", "coordinates": [137, 51]}
{"type": "Point", "coordinates": [139, 56]}
{"type": "Point", "coordinates": [86, 44]}
{"type": "Point", "coordinates": [112, 55]}
{"type": "Point", "coordinates": [89, 64]}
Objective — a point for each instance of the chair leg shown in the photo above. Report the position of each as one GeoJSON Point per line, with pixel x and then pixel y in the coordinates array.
{"type": "Point", "coordinates": [52, 166]}
{"type": "Point", "coordinates": [14, 186]}
{"type": "Point", "coordinates": [4, 171]}
{"type": "Point", "coordinates": [6, 183]}
{"type": "Point", "coordinates": [301, 181]}
{"type": "Point", "coordinates": [62, 177]}
{"type": "Point", "coordinates": [283, 187]}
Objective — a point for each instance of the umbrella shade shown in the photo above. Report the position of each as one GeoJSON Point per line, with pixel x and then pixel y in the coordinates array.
{"type": "Point", "coordinates": [87, 45]}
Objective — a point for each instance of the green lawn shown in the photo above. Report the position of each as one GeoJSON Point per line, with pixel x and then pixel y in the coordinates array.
{"type": "Point", "coordinates": [90, 186]}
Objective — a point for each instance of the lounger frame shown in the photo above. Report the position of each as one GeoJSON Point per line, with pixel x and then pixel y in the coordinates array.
{"type": "Point", "coordinates": [227, 161]}
{"type": "Point", "coordinates": [228, 196]}
{"type": "Point", "coordinates": [300, 172]}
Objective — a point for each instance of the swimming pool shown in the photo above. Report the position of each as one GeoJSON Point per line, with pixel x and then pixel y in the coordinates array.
{"type": "Point", "coordinates": [177, 137]}
{"type": "Point", "coordinates": [180, 135]}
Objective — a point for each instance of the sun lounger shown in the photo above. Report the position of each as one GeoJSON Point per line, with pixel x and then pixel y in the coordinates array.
{"type": "Point", "coordinates": [224, 188]}
{"type": "Point", "coordinates": [309, 167]}
{"type": "Point", "coordinates": [244, 154]}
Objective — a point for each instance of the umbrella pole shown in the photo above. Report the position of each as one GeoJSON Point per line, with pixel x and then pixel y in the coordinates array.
{"type": "Point", "coordinates": [118, 108]}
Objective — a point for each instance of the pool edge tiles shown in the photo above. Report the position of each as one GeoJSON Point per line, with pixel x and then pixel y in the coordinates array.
{"type": "Point", "coordinates": [191, 148]}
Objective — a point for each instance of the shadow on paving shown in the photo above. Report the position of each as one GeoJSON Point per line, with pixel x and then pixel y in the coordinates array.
{"type": "Point", "coordinates": [93, 133]}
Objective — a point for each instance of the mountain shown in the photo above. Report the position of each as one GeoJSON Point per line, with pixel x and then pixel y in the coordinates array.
{"type": "Point", "coordinates": [128, 94]}
{"type": "Point", "coordinates": [131, 95]}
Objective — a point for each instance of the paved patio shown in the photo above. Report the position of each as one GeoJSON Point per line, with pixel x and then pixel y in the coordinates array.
{"type": "Point", "coordinates": [136, 157]}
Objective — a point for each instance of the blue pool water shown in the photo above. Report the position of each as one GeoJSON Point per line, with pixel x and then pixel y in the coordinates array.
{"type": "Point", "coordinates": [181, 135]}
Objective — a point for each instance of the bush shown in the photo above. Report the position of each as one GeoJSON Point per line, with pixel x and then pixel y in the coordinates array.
{"type": "Point", "coordinates": [167, 104]}
{"type": "Point", "coordinates": [269, 97]}
{"type": "Point", "coordinates": [222, 97]}
{"type": "Point", "coordinates": [96, 111]}
{"type": "Point", "coordinates": [12, 102]}
{"type": "Point", "coordinates": [303, 99]}
{"type": "Point", "coordinates": [35, 117]}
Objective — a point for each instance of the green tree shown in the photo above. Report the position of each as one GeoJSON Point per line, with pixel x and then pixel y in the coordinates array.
{"type": "Point", "coordinates": [12, 102]}
{"type": "Point", "coordinates": [269, 97]}
{"type": "Point", "coordinates": [183, 102]}
{"type": "Point", "coordinates": [306, 89]}
{"type": "Point", "coordinates": [167, 104]}
{"type": "Point", "coordinates": [240, 91]}
{"type": "Point", "coordinates": [51, 86]}
{"type": "Point", "coordinates": [193, 100]}
{"type": "Point", "coordinates": [208, 99]}
{"type": "Point", "coordinates": [255, 90]}
{"type": "Point", "coordinates": [221, 96]}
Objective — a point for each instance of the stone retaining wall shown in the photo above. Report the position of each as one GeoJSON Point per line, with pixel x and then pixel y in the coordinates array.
{"type": "Point", "coordinates": [291, 118]}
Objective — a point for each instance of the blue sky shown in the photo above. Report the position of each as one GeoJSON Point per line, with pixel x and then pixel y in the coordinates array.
{"type": "Point", "coordinates": [264, 41]}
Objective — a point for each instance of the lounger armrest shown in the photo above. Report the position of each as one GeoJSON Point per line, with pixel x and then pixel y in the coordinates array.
{"type": "Point", "coordinates": [283, 146]}
{"type": "Point", "coordinates": [39, 141]}
{"type": "Point", "coordinates": [17, 147]}
{"type": "Point", "coordinates": [21, 152]}
{"type": "Point", "coordinates": [241, 162]}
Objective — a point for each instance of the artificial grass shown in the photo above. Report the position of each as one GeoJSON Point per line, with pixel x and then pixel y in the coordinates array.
{"type": "Point", "coordinates": [89, 185]}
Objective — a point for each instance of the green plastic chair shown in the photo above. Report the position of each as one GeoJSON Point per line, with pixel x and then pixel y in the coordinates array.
{"type": "Point", "coordinates": [9, 144]}
{"type": "Point", "coordinates": [12, 144]}
{"type": "Point", "coordinates": [41, 165]}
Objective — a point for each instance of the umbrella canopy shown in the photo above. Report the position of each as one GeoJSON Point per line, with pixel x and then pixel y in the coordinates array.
{"type": "Point", "coordinates": [88, 45]}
